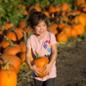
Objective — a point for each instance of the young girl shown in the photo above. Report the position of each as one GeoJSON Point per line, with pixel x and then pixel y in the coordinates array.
{"type": "Point", "coordinates": [43, 43]}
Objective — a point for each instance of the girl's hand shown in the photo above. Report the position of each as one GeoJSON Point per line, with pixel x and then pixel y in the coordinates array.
{"type": "Point", "coordinates": [47, 68]}
{"type": "Point", "coordinates": [35, 69]}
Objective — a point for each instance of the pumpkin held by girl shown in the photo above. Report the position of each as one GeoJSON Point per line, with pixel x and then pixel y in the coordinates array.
{"type": "Point", "coordinates": [40, 63]}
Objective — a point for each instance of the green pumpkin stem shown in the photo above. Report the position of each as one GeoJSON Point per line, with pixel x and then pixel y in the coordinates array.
{"type": "Point", "coordinates": [37, 55]}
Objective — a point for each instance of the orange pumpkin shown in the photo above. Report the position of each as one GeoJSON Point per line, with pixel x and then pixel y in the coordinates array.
{"type": "Point", "coordinates": [19, 33]}
{"type": "Point", "coordinates": [67, 30]}
{"type": "Point", "coordinates": [62, 25]}
{"type": "Point", "coordinates": [14, 62]}
{"type": "Point", "coordinates": [28, 30]}
{"type": "Point", "coordinates": [53, 28]}
{"type": "Point", "coordinates": [8, 25]}
{"type": "Point", "coordinates": [12, 50]}
{"type": "Point", "coordinates": [53, 9]}
{"type": "Point", "coordinates": [22, 24]}
{"type": "Point", "coordinates": [23, 57]}
{"type": "Point", "coordinates": [40, 63]}
{"type": "Point", "coordinates": [11, 36]}
{"type": "Point", "coordinates": [8, 78]}
{"type": "Point", "coordinates": [79, 29]}
{"type": "Point", "coordinates": [84, 9]}
{"type": "Point", "coordinates": [23, 47]}
{"type": "Point", "coordinates": [65, 7]}
{"type": "Point", "coordinates": [5, 44]}
{"type": "Point", "coordinates": [79, 2]}
{"type": "Point", "coordinates": [81, 19]}
{"type": "Point", "coordinates": [73, 32]}
{"type": "Point", "coordinates": [62, 38]}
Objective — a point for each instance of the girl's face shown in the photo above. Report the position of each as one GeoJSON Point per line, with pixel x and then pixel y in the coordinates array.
{"type": "Point", "coordinates": [41, 28]}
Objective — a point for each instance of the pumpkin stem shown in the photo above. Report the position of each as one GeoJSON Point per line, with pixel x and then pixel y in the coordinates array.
{"type": "Point", "coordinates": [37, 55]}
{"type": "Point", "coordinates": [5, 65]}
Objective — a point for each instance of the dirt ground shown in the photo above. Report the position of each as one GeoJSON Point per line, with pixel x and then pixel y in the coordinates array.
{"type": "Point", "coordinates": [71, 67]}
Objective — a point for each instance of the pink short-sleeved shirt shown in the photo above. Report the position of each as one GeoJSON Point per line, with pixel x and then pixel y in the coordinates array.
{"type": "Point", "coordinates": [42, 48]}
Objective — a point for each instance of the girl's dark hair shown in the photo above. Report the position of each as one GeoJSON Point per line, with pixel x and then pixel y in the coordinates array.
{"type": "Point", "coordinates": [35, 18]}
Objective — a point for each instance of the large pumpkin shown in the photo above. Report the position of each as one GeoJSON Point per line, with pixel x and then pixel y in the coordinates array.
{"type": "Point", "coordinates": [8, 78]}
{"type": "Point", "coordinates": [62, 38]}
{"type": "Point", "coordinates": [12, 50]}
{"type": "Point", "coordinates": [40, 63]}
{"type": "Point", "coordinates": [14, 62]}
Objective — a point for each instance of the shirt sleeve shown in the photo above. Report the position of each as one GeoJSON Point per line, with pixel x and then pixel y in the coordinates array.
{"type": "Point", "coordinates": [53, 39]}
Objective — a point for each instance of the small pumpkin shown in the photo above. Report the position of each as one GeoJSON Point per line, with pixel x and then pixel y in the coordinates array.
{"type": "Point", "coordinates": [53, 9]}
{"type": "Point", "coordinates": [40, 63]}
{"type": "Point", "coordinates": [11, 36]}
{"type": "Point", "coordinates": [5, 44]}
{"type": "Point", "coordinates": [8, 25]}
{"type": "Point", "coordinates": [22, 24]}
{"type": "Point", "coordinates": [65, 7]}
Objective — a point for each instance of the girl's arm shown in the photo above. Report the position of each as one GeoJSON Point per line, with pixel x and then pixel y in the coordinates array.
{"type": "Point", "coordinates": [29, 58]}
{"type": "Point", "coordinates": [53, 54]}
{"type": "Point", "coordinates": [52, 59]}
